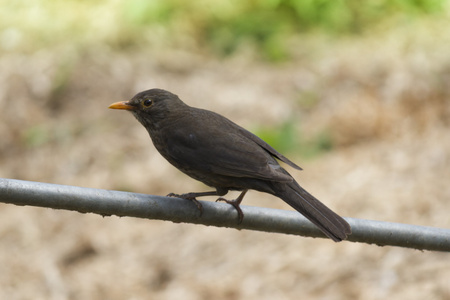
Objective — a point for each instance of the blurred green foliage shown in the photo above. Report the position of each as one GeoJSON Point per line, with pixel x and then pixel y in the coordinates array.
{"type": "Point", "coordinates": [39, 135]}
{"type": "Point", "coordinates": [287, 138]}
{"type": "Point", "coordinates": [225, 26]}
{"type": "Point", "coordinates": [35, 136]}
{"type": "Point", "coordinates": [219, 26]}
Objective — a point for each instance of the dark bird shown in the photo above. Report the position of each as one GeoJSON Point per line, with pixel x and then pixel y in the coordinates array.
{"type": "Point", "coordinates": [214, 150]}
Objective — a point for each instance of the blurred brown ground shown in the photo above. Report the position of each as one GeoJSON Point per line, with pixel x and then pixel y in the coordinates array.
{"type": "Point", "coordinates": [386, 104]}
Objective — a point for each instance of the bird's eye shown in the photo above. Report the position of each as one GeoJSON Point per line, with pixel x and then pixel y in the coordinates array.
{"type": "Point", "coordinates": [147, 102]}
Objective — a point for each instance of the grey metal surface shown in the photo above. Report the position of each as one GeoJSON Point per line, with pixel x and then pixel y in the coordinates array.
{"type": "Point", "coordinates": [107, 202]}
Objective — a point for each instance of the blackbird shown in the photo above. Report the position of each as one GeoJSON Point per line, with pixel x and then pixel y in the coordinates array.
{"type": "Point", "coordinates": [212, 149]}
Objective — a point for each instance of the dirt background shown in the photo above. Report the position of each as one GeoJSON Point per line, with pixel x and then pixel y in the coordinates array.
{"type": "Point", "coordinates": [384, 100]}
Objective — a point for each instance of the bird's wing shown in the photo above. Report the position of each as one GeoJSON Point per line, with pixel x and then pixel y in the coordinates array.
{"type": "Point", "coordinates": [245, 158]}
{"type": "Point", "coordinates": [227, 152]}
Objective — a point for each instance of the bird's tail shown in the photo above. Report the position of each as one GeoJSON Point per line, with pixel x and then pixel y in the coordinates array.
{"type": "Point", "coordinates": [330, 223]}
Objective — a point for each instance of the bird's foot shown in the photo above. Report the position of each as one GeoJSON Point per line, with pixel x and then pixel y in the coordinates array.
{"type": "Point", "coordinates": [236, 204]}
{"type": "Point", "coordinates": [190, 197]}
{"type": "Point", "coordinates": [187, 196]}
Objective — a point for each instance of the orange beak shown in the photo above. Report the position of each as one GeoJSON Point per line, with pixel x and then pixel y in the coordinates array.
{"type": "Point", "coordinates": [122, 105]}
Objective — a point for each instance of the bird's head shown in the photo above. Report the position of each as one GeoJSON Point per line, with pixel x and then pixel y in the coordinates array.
{"type": "Point", "coordinates": [150, 107]}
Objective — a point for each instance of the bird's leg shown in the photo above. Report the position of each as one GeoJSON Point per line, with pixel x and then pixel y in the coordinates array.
{"type": "Point", "coordinates": [192, 197]}
{"type": "Point", "coordinates": [236, 204]}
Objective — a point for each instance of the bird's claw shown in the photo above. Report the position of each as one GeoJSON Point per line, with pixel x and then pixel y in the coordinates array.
{"type": "Point", "coordinates": [189, 197]}
{"type": "Point", "coordinates": [174, 195]}
{"type": "Point", "coordinates": [235, 204]}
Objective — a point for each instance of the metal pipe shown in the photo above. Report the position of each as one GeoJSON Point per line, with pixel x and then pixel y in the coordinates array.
{"type": "Point", "coordinates": [107, 202]}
